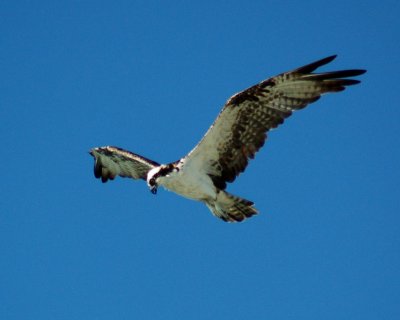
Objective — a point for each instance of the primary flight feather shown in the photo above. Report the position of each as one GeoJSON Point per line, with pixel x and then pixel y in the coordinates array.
{"type": "Point", "coordinates": [235, 136]}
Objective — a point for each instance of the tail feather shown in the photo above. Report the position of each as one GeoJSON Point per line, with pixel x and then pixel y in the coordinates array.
{"type": "Point", "coordinates": [231, 208]}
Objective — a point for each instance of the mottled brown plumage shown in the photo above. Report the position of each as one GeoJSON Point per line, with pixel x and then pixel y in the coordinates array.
{"type": "Point", "coordinates": [112, 161]}
{"type": "Point", "coordinates": [241, 128]}
{"type": "Point", "coordinates": [239, 131]}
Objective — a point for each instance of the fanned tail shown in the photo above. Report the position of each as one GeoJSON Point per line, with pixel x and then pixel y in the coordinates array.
{"type": "Point", "coordinates": [231, 208]}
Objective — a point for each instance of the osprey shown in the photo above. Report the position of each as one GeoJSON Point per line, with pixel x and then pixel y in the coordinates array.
{"type": "Point", "coordinates": [239, 131]}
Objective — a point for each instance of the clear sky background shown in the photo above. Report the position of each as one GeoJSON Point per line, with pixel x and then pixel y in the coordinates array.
{"type": "Point", "coordinates": [151, 76]}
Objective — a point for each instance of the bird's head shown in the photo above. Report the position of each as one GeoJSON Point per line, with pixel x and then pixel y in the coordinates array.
{"type": "Point", "coordinates": [152, 177]}
{"type": "Point", "coordinates": [157, 173]}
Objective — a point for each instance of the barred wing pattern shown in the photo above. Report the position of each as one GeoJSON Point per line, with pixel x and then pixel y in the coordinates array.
{"type": "Point", "coordinates": [240, 129]}
{"type": "Point", "coordinates": [112, 161]}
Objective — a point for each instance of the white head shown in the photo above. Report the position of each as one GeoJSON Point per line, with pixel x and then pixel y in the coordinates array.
{"type": "Point", "coordinates": [154, 175]}
{"type": "Point", "coordinates": [152, 179]}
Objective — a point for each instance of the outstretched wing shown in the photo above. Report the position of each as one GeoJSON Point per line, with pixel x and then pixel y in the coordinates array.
{"type": "Point", "coordinates": [110, 162]}
{"type": "Point", "coordinates": [241, 128]}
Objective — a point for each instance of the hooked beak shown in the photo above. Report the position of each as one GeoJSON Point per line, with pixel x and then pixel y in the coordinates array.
{"type": "Point", "coordinates": [153, 190]}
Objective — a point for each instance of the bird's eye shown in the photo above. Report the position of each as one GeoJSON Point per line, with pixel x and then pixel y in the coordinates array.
{"type": "Point", "coordinates": [152, 182]}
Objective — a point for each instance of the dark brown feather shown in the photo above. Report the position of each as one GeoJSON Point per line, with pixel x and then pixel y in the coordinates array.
{"type": "Point", "coordinates": [249, 115]}
{"type": "Point", "coordinates": [112, 161]}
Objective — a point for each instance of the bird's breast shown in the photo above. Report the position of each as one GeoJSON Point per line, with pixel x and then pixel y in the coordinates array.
{"type": "Point", "coordinates": [192, 185]}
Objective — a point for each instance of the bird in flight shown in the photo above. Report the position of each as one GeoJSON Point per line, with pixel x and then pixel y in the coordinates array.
{"type": "Point", "coordinates": [239, 131]}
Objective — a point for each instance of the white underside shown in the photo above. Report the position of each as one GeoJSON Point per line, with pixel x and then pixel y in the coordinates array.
{"type": "Point", "coordinates": [197, 185]}
{"type": "Point", "coordinates": [190, 184]}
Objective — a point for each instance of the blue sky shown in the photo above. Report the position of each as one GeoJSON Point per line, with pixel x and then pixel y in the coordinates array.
{"type": "Point", "coordinates": [151, 76]}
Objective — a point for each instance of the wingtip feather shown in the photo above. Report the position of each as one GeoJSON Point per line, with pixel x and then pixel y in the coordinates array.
{"type": "Point", "coordinates": [308, 68]}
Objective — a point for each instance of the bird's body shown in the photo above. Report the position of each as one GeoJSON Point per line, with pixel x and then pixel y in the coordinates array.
{"type": "Point", "coordinates": [239, 131]}
{"type": "Point", "coordinates": [188, 183]}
